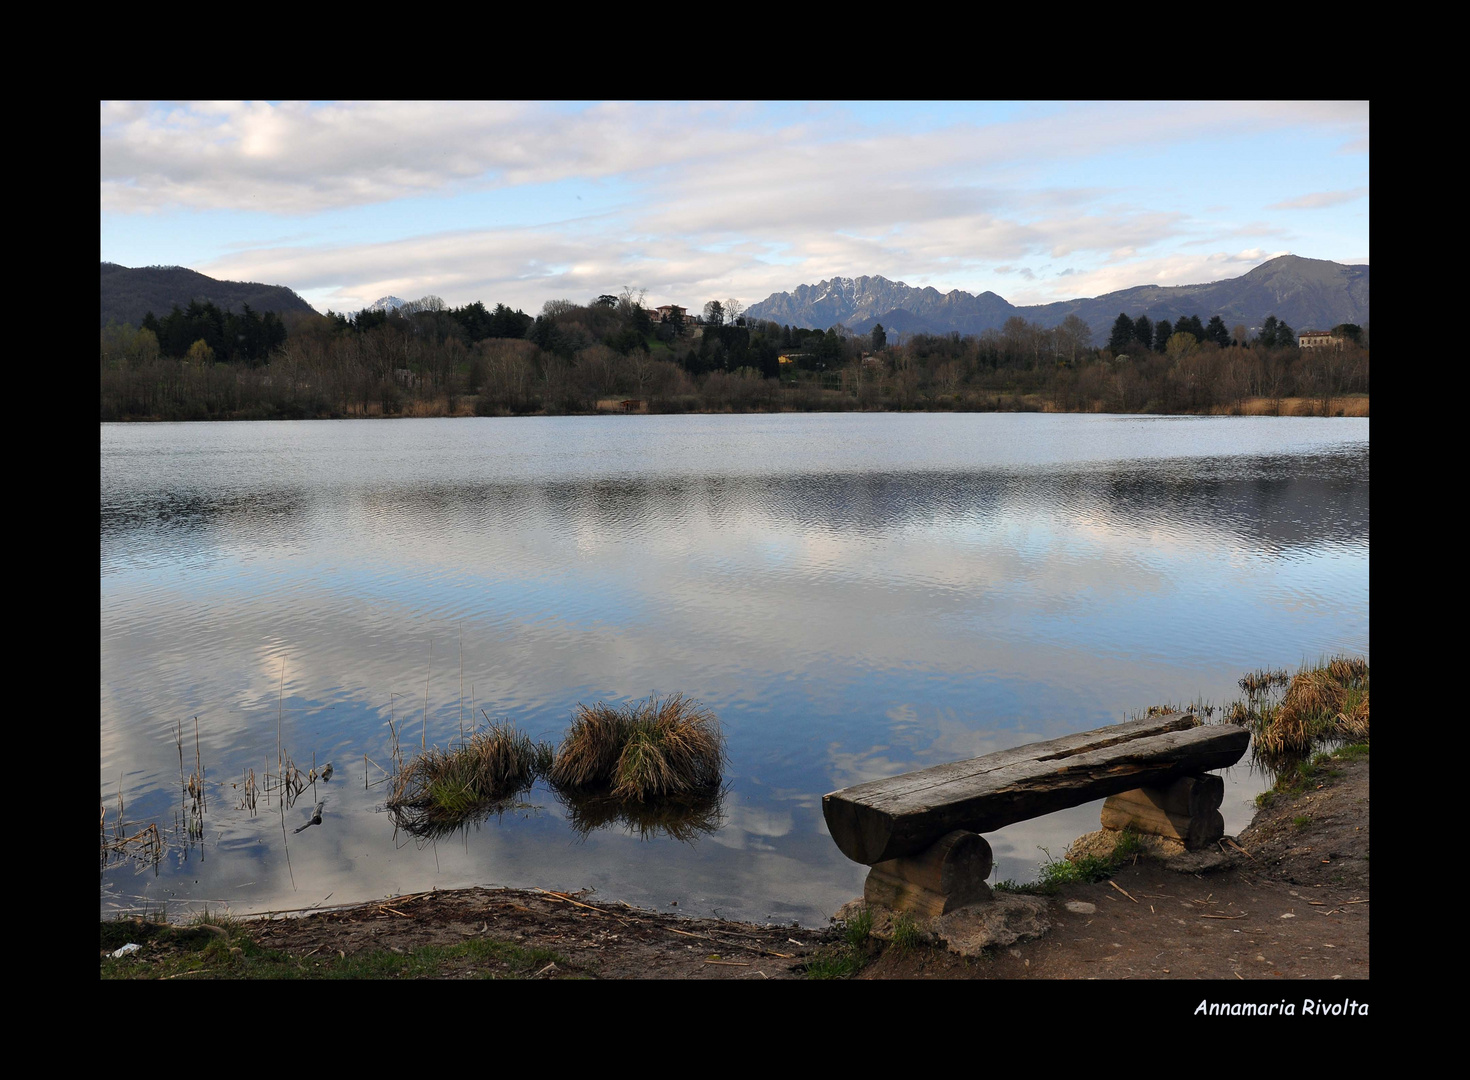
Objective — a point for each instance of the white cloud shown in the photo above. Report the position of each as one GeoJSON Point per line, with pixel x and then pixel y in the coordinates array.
{"type": "Point", "coordinates": [712, 199]}
{"type": "Point", "coordinates": [1319, 199]}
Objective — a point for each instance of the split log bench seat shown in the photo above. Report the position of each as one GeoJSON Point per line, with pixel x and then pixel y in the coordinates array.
{"type": "Point", "coordinates": [919, 831]}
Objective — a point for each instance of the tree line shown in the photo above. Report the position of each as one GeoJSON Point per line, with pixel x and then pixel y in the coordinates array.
{"type": "Point", "coordinates": [426, 358]}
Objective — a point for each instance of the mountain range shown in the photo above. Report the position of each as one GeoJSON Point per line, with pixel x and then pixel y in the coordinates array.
{"type": "Point", "coordinates": [1307, 294]}
{"type": "Point", "coordinates": [128, 294]}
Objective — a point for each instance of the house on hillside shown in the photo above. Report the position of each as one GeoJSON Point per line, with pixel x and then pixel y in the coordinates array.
{"type": "Point", "coordinates": [1319, 339]}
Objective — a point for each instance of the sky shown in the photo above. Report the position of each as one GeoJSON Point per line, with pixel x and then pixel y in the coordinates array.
{"type": "Point", "coordinates": [524, 202]}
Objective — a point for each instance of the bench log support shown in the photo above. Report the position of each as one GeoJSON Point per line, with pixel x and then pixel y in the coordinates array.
{"type": "Point", "coordinates": [948, 875]}
{"type": "Point", "coordinates": [1188, 810]}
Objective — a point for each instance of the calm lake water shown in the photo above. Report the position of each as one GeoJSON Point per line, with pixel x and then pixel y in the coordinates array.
{"type": "Point", "coordinates": [854, 595]}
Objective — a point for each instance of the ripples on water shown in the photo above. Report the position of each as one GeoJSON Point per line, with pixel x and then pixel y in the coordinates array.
{"type": "Point", "coordinates": [853, 595]}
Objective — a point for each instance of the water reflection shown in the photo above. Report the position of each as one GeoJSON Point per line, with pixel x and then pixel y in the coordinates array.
{"type": "Point", "coordinates": [856, 596]}
{"type": "Point", "coordinates": [424, 826]}
{"type": "Point", "coordinates": [1274, 503]}
{"type": "Point", "coordinates": [684, 818]}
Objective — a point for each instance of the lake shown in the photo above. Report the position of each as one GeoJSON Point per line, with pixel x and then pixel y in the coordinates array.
{"type": "Point", "coordinates": [853, 595]}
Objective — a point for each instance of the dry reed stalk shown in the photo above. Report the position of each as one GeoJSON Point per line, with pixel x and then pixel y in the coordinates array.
{"type": "Point", "coordinates": [1353, 724]}
{"type": "Point", "coordinates": [280, 708]}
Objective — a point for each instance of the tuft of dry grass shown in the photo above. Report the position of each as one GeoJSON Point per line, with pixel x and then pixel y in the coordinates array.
{"type": "Point", "coordinates": [1321, 704]}
{"type": "Point", "coordinates": [588, 756]}
{"type": "Point", "coordinates": [647, 750]}
{"type": "Point", "coordinates": [490, 766]}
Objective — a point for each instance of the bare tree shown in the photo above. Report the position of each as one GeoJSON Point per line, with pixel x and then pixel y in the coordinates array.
{"type": "Point", "coordinates": [630, 299]}
{"type": "Point", "coordinates": [1074, 335]}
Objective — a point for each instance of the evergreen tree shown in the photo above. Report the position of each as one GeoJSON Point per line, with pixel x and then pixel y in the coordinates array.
{"type": "Point", "coordinates": [1191, 325]}
{"type": "Point", "coordinates": [1216, 332]}
{"type": "Point", "coordinates": [1143, 331]}
{"type": "Point", "coordinates": [1163, 331]}
{"type": "Point", "coordinates": [1267, 337]}
{"type": "Point", "coordinates": [1122, 334]}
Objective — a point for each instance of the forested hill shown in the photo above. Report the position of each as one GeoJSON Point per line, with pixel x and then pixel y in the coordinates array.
{"type": "Point", "coordinates": [130, 294]}
{"type": "Point", "coordinates": [1310, 294]}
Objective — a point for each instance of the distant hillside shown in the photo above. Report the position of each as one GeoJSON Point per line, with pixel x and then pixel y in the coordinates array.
{"type": "Point", "coordinates": [129, 294]}
{"type": "Point", "coordinates": [1308, 294]}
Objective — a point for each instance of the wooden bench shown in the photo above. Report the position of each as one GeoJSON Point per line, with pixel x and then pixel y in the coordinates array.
{"type": "Point", "coordinates": [919, 831]}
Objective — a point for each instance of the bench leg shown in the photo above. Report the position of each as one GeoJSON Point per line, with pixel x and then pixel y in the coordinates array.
{"type": "Point", "coordinates": [1187, 810]}
{"type": "Point", "coordinates": [948, 875]}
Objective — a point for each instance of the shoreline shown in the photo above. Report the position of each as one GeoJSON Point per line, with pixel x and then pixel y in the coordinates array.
{"type": "Point", "coordinates": [1355, 406]}
{"type": "Point", "coordinates": [1288, 899]}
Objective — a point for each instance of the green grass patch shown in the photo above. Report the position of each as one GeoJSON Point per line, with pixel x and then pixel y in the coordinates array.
{"type": "Point", "coordinates": [847, 957]}
{"type": "Point", "coordinates": [1295, 777]}
{"type": "Point", "coordinates": [1055, 874]}
{"type": "Point", "coordinates": [223, 950]}
{"type": "Point", "coordinates": [906, 933]}
{"type": "Point", "coordinates": [841, 962]}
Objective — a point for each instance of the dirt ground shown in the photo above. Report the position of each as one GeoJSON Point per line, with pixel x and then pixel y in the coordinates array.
{"type": "Point", "coordinates": [1290, 902]}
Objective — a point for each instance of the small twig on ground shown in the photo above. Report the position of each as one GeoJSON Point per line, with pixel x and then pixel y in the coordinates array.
{"type": "Point", "coordinates": [1122, 890]}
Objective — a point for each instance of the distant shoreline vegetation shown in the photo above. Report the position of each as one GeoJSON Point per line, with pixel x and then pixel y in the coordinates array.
{"type": "Point", "coordinates": [614, 355]}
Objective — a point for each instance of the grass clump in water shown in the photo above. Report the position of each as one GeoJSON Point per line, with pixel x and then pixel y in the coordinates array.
{"type": "Point", "coordinates": [491, 766]}
{"type": "Point", "coordinates": [649, 750]}
{"type": "Point", "coordinates": [1289, 716]}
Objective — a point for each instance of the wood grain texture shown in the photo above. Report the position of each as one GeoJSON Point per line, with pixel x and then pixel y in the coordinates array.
{"type": "Point", "coordinates": [903, 815]}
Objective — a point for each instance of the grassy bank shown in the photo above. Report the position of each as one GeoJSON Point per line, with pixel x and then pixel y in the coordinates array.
{"type": "Point", "coordinates": [222, 949]}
